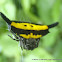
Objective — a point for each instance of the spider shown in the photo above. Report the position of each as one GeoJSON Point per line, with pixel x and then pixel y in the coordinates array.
{"type": "Point", "coordinates": [27, 33]}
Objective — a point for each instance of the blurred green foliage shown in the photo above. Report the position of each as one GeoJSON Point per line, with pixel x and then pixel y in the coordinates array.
{"type": "Point", "coordinates": [36, 11]}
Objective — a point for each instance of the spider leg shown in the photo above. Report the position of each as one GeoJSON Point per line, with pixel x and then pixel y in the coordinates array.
{"type": "Point", "coordinates": [14, 34]}
{"type": "Point", "coordinates": [13, 38]}
{"type": "Point", "coordinates": [38, 41]}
